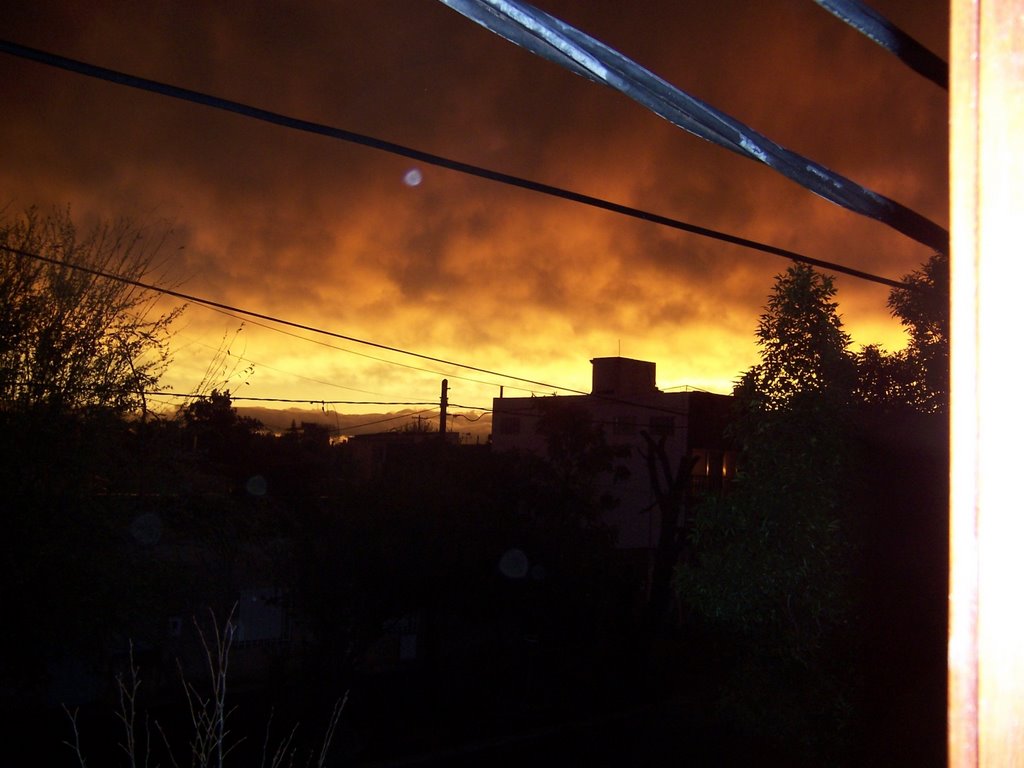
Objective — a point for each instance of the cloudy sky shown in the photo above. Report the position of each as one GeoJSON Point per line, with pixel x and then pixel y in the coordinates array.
{"type": "Point", "coordinates": [333, 235]}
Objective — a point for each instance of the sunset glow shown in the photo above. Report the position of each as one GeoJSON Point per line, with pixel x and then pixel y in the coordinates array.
{"type": "Point", "coordinates": [371, 246]}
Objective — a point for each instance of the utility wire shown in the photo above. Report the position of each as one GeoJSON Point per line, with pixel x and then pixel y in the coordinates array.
{"type": "Point", "coordinates": [553, 39]}
{"type": "Point", "coordinates": [313, 329]}
{"type": "Point", "coordinates": [271, 318]}
{"type": "Point", "coordinates": [396, 417]}
{"type": "Point", "coordinates": [153, 86]}
{"type": "Point", "coordinates": [358, 354]}
{"type": "Point", "coordinates": [261, 365]}
{"type": "Point", "coordinates": [465, 416]}
{"type": "Point", "coordinates": [309, 401]}
{"type": "Point", "coordinates": [876, 27]}
{"type": "Point", "coordinates": [390, 418]}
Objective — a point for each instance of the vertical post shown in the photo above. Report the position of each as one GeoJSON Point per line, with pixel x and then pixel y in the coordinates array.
{"type": "Point", "coordinates": [986, 633]}
{"type": "Point", "coordinates": [444, 406]}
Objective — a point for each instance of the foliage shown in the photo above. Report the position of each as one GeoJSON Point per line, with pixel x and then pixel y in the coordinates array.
{"type": "Point", "coordinates": [915, 378]}
{"type": "Point", "coordinates": [74, 567]}
{"type": "Point", "coordinates": [428, 542]}
{"type": "Point", "coordinates": [70, 339]}
{"type": "Point", "coordinates": [576, 448]}
{"type": "Point", "coordinates": [418, 425]}
{"type": "Point", "coordinates": [811, 532]}
{"type": "Point", "coordinates": [92, 498]}
{"type": "Point", "coordinates": [224, 445]}
{"type": "Point", "coordinates": [804, 349]}
{"type": "Point", "coordinates": [885, 379]}
{"type": "Point", "coordinates": [923, 308]}
{"type": "Point", "coordinates": [214, 419]}
{"type": "Point", "coordinates": [772, 559]}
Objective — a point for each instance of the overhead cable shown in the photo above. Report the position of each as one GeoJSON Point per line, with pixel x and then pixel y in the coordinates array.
{"type": "Point", "coordinates": [555, 40]}
{"type": "Point", "coordinates": [390, 418]}
{"type": "Point", "coordinates": [482, 412]}
{"type": "Point", "coordinates": [262, 365]}
{"type": "Point", "coordinates": [209, 303]}
{"type": "Point", "coordinates": [313, 329]}
{"type": "Point", "coordinates": [357, 354]}
{"type": "Point", "coordinates": [298, 124]}
{"type": "Point", "coordinates": [876, 27]}
{"type": "Point", "coordinates": [306, 401]}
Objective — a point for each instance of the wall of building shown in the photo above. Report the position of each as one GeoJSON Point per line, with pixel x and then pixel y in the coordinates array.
{"type": "Point", "coordinates": [691, 424]}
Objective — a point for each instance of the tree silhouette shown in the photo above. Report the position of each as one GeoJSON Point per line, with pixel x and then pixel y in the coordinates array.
{"type": "Point", "coordinates": [923, 308]}
{"type": "Point", "coordinates": [772, 559]}
{"type": "Point", "coordinates": [78, 352]}
{"type": "Point", "coordinates": [804, 349]}
{"type": "Point", "coordinates": [577, 449]}
{"type": "Point", "coordinates": [70, 339]}
{"type": "Point", "coordinates": [672, 494]}
{"type": "Point", "coordinates": [915, 378]}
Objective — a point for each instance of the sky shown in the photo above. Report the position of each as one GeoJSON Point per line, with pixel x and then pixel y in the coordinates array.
{"type": "Point", "coordinates": [375, 247]}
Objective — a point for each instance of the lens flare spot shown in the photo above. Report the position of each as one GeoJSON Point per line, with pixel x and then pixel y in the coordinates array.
{"type": "Point", "coordinates": [413, 177]}
{"type": "Point", "coordinates": [514, 564]}
{"type": "Point", "coordinates": [147, 528]}
{"type": "Point", "coordinates": [256, 485]}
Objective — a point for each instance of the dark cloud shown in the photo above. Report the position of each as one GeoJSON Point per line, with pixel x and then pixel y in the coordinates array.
{"type": "Point", "coordinates": [329, 234]}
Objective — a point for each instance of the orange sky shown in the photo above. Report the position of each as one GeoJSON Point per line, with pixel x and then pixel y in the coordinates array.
{"type": "Point", "coordinates": [328, 234]}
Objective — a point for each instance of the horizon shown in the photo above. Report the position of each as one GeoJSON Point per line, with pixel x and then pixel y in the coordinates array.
{"type": "Point", "coordinates": [413, 258]}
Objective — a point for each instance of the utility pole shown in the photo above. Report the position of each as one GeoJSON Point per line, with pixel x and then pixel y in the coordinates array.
{"type": "Point", "coordinates": [444, 406]}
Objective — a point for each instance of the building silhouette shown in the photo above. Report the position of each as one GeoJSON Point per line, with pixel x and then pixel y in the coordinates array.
{"type": "Point", "coordinates": [632, 416]}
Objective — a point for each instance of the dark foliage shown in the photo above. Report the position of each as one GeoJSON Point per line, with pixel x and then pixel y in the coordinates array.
{"type": "Point", "coordinates": [69, 339]}
{"type": "Point", "coordinates": [819, 576]}
{"type": "Point", "coordinates": [115, 526]}
{"type": "Point", "coordinates": [916, 378]}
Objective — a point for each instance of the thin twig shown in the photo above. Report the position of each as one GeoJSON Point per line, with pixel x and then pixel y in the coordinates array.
{"type": "Point", "coordinates": [126, 694]}
{"type": "Point", "coordinates": [76, 746]}
{"type": "Point", "coordinates": [332, 725]}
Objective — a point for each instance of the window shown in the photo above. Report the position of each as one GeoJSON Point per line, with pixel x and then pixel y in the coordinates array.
{"type": "Point", "coordinates": [712, 469]}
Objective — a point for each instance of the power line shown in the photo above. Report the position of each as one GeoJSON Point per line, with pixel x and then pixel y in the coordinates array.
{"type": "Point", "coordinates": [876, 27]}
{"type": "Point", "coordinates": [553, 39]}
{"type": "Point", "coordinates": [208, 302]}
{"type": "Point", "coordinates": [396, 417]}
{"type": "Point", "coordinates": [259, 364]}
{"type": "Point", "coordinates": [686, 388]}
{"type": "Point", "coordinates": [358, 354]}
{"type": "Point", "coordinates": [483, 413]}
{"type": "Point", "coordinates": [309, 401]}
{"type": "Point", "coordinates": [390, 418]}
{"type": "Point", "coordinates": [271, 318]}
{"type": "Point", "coordinates": [197, 97]}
